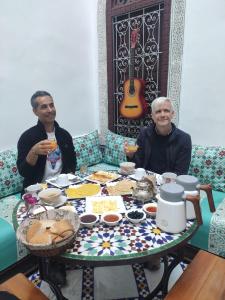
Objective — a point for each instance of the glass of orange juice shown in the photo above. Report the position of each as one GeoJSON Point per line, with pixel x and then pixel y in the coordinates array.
{"type": "Point", "coordinates": [132, 147]}
{"type": "Point", "coordinates": [53, 144]}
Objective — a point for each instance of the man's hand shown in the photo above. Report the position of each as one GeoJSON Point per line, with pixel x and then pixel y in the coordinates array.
{"type": "Point", "coordinates": [42, 148]}
{"type": "Point", "coordinates": [129, 149]}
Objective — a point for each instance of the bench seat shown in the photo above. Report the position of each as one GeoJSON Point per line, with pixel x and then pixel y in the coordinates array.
{"type": "Point", "coordinates": [204, 279]}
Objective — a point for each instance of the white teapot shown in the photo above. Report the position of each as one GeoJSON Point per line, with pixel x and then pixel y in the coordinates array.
{"type": "Point", "coordinates": [192, 187]}
{"type": "Point", "coordinates": [171, 209]}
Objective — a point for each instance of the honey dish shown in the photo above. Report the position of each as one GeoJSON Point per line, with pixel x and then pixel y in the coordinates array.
{"type": "Point", "coordinates": [135, 216]}
{"type": "Point", "coordinates": [111, 218]}
{"type": "Point", "coordinates": [150, 209]}
{"type": "Point", "coordinates": [82, 190]}
{"type": "Point", "coordinates": [89, 219]}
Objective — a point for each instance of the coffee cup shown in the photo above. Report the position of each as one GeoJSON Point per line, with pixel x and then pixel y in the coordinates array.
{"type": "Point", "coordinates": [139, 173]}
{"type": "Point", "coordinates": [63, 179]}
{"type": "Point", "coordinates": [168, 177]}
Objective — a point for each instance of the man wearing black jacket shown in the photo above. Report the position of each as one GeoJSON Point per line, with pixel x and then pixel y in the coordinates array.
{"type": "Point", "coordinates": [37, 161]}
{"type": "Point", "coordinates": [162, 147]}
{"type": "Point", "coordinates": [39, 158]}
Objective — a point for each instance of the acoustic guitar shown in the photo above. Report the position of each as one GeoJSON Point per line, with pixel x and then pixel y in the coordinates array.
{"type": "Point", "coordinates": [133, 105]}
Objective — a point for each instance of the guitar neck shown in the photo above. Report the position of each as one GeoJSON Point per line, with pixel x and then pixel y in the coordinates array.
{"type": "Point", "coordinates": [131, 70]}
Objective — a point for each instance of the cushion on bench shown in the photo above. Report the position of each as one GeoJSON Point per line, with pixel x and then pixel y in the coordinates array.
{"type": "Point", "coordinates": [87, 149]}
{"type": "Point", "coordinates": [10, 179]}
{"type": "Point", "coordinates": [114, 143]}
{"type": "Point", "coordinates": [208, 165]}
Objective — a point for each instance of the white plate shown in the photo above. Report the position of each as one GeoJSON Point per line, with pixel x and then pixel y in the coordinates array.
{"type": "Point", "coordinates": [62, 200]}
{"type": "Point", "coordinates": [41, 209]}
{"type": "Point", "coordinates": [100, 182]}
{"type": "Point", "coordinates": [73, 179]}
{"type": "Point", "coordinates": [120, 208]}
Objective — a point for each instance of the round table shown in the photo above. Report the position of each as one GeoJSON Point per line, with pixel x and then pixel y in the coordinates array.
{"type": "Point", "coordinates": [125, 243]}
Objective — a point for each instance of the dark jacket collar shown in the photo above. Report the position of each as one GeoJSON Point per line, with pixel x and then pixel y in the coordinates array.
{"type": "Point", "coordinates": [151, 130]}
{"type": "Point", "coordinates": [41, 126]}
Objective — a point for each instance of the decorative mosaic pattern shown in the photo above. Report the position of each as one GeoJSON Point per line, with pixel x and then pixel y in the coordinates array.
{"type": "Point", "coordinates": [7, 205]}
{"type": "Point", "coordinates": [10, 180]}
{"type": "Point", "coordinates": [87, 149]}
{"type": "Point", "coordinates": [124, 239]}
{"type": "Point", "coordinates": [208, 165]}
{"type": "Point", "coordinates": [217, 231]}
{"type": "Point", "coordinates": [114, 153]}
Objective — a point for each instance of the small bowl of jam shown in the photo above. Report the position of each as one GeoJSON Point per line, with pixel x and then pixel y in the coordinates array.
{"type": "Point", "coordinates": [135, 216]}
{"type": "Point", "coordinates": [88, 219]}
{"type": "Point", "coordinates": [150, 209]}
{"type": "Point", "coordinates": [111, 218]}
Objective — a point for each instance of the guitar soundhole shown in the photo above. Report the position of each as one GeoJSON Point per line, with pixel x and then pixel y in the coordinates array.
{"type": "Point", "coordinates": [132, 90]}
{"type": "Point", "coordinates": [131, 106]}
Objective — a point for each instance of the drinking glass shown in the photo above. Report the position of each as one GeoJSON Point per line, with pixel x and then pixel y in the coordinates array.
{"type": "Point", "coordinates": [53, 144]}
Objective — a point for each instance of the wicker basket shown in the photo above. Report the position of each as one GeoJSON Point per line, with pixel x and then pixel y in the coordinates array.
{"type": "Point", "coordinates": [54, 248]}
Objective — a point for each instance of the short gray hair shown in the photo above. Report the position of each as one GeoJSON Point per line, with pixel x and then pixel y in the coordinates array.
{"type": "Point", "coordinates": [160, 100]}
{"type": "Point", "coordinates": [36, 95]}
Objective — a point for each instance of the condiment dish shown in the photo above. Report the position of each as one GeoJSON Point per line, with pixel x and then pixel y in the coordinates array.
{"type": "Point", "coordinates": [89, 219]}
{"type": "Point", "coordinates": [111, 218]}
{"type": "Point", "coordinates": [135, 216]}
{"type": "Point", "coordinates": [150, 209]}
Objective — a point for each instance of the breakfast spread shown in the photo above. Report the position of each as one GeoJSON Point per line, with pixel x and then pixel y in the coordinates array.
{"type": "Point", "coordinates": [45, 232]}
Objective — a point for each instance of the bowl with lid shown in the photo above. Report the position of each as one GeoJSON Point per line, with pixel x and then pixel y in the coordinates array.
{"type": "Point", "coordinates": [89, 219]}
{"type": "Point", "coordinates": [111, 218]}
{"type": "Point", "coordinates": [50, 196]}
{"type": "Point", "coordinates": [135, 216]}
{"type": "Point", "coordinates": [127, 168]}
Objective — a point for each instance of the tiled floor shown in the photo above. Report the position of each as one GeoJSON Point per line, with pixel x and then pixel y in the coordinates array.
{"type": "Point", "coordinates": [118, 282]}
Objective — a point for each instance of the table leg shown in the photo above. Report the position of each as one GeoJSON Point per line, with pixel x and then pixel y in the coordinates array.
{"type": "Point", "coordinates": [176, 260]}
{"type": "Point", "coordinates": [43, 265]}
{"type": "Point", "coordinates": [168, 268]}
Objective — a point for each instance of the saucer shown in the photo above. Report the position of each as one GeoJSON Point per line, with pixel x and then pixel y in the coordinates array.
{"type": "Point", "coordinates": [122, 172]}
{"type": "Point", "coordinates": [62, 200]}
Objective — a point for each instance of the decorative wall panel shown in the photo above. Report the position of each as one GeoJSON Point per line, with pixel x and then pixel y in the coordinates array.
{"type": "Point", "coordinates": [175, 59]}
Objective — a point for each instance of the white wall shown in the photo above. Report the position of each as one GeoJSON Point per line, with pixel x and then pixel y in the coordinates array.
{"type": "Point", "coordinates": [50, 45]}
{"type": "Point", "coordinates": [202, 103]}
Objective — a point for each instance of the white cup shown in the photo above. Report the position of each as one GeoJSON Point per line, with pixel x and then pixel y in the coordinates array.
{"type": "Point", "coordinates": [139, 173]}
{"type": "Point", "coordinates": [63, 179]}
{"type": "Point", "coordinates": [168, 177]}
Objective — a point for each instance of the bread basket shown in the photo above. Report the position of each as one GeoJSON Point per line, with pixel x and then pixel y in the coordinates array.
{"type": "Point", "coordinates": [54, 248]}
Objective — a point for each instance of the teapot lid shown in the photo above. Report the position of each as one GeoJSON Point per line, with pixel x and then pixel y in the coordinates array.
{"type": "Point", "coordinates": [171, 192]}
{"type": "Point", "coordinates": [188, 182]}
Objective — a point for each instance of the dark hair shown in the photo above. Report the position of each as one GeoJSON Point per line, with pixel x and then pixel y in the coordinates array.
{"type": "Point", "coordinates": [36, 95]}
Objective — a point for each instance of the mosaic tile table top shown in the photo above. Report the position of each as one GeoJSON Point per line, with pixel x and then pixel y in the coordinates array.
{"type": "Point", "coordinates": [125, 241]}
